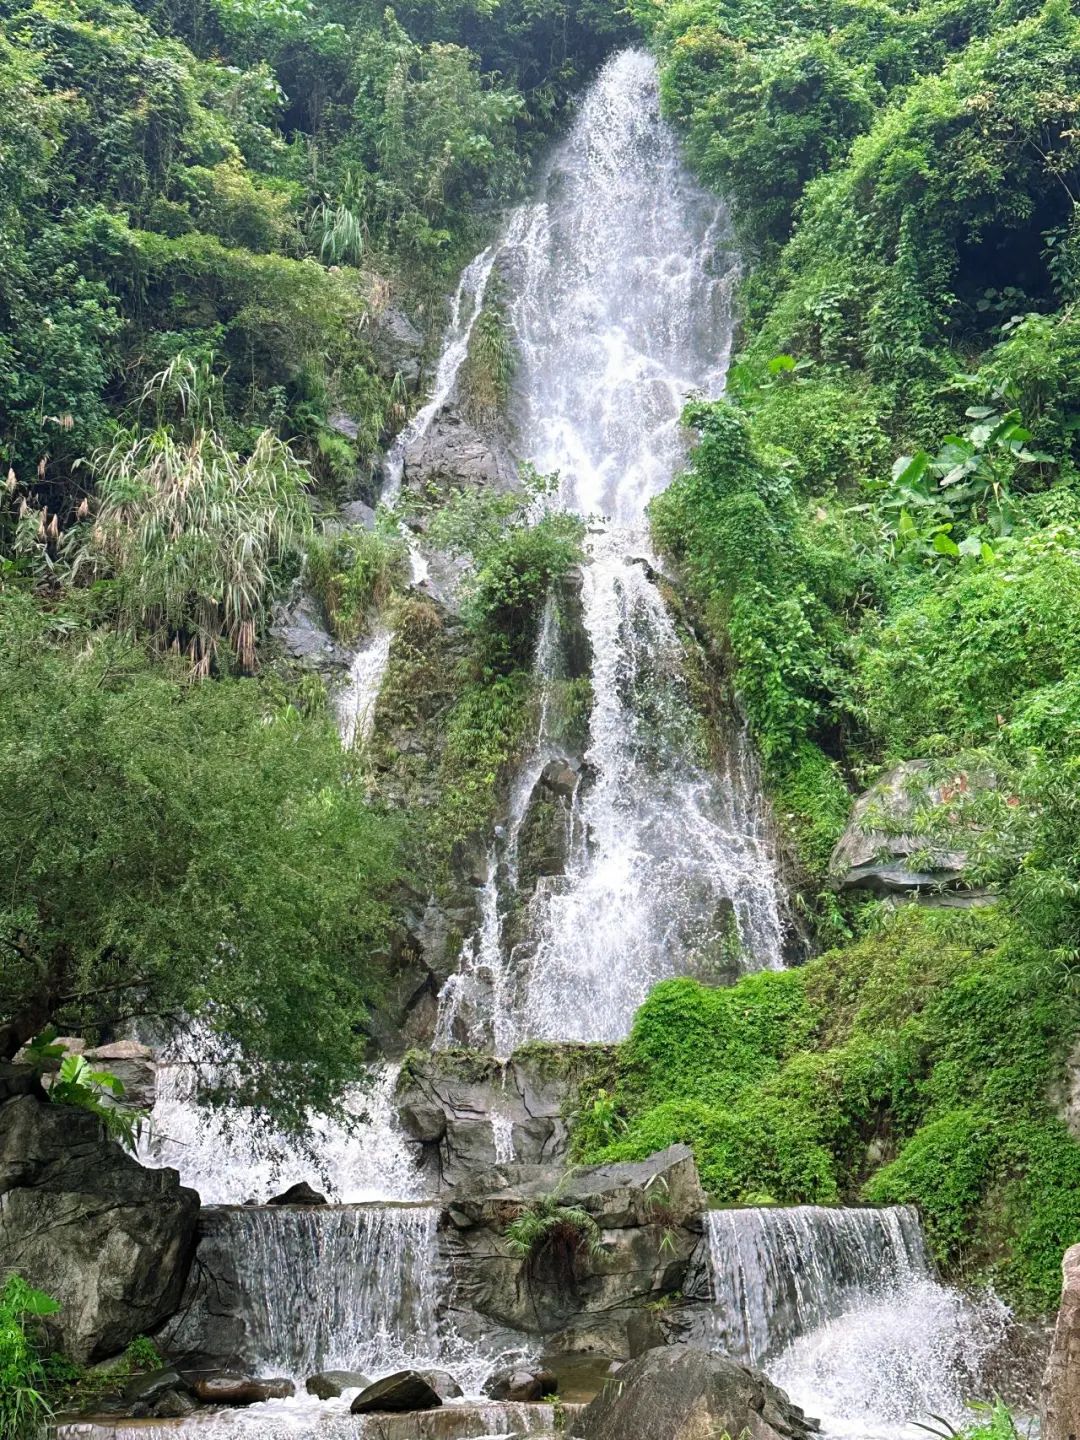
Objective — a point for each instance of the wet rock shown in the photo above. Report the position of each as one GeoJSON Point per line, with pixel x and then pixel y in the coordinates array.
{"type": "Point", "coordinates": [648, 1215]}
{"type": "Point", "coordinates": [680, 1393]}
{"type": "Point", "coordinates": [868, 857]}
{"type": "Point", "coordinates": [299, 1194]}
{"type": "Point", "coordinates": [396, 344]}
{"type": "Point", "coordinates": [404, 1390]}
{"type": "Point", "coordinates": [132, 1064]}
{"type": "Point", "coordinates": [85, 1222]}
{"type": "Point", "coordinates": [521, 1384]}
{"type": "Point", "coordinates": [443, 1383]}
{"type": "Point", "coordinates": [229, 1388]}
{"type": "Point", "coordinates": [173, 1405]}
{"type": "Point", "coordinates": [451, 455]}
{"type": "Point", "coordinates": [1060, 1405]}
{"type": "Point", "coordinates": [329, 1384]}
{"type": "Point", "coordinates": [299, 630]}
{"type": "Point", "coordinates": [446, 1102]}
{"type": "Point", "coordinates": [561, 777]}
{"type": "Point", "coordinates": [343, 424]}
{"type": "Point", "coordinates": [358, 513]}
{"type": "Point", "coordinates": [644, 1332]}
{"type": "Point", "coordinates": [143, 1393]}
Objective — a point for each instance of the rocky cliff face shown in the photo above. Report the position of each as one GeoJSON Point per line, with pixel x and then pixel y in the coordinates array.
{"type": "Point", "coordinates": [471, 1112]}
{"type": "Point", "coordinates": [82, 1220]}
{"type": "Point", "coordinates": [1061, 1382]}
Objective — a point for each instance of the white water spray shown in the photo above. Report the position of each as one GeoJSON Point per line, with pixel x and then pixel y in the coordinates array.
{"type": "Point", "coordinates": [356, 702]}
{"type": "Point", "coordinates": [842, 1308]}
{"type": "Point", "coordinates": [620, 281]}
{"type": "Point", "coordinates": [230, 1158]}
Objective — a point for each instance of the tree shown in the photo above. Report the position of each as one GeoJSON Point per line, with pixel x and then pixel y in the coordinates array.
{"type": "Point", "coordinates": [181, 851]}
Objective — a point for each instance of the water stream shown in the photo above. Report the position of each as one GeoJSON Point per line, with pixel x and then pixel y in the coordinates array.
{"type": "Point", "coordinates": [844, 1311]}
{"type": "Point", "coordinates": [620, 279]}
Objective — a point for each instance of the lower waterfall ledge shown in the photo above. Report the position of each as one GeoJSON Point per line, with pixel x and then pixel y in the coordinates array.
{"type": "Point", "coordinates": [306, 1420]}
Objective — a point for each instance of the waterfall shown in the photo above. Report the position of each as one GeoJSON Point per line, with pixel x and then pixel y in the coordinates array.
{"type": "Point", "coordinates": [350, 1288]}
{"type": "Point", "coordinates": [229, 1157]}
{"type": "Point", "coordinates": [619, 278]}
{"type": "Point", "coordinates": [356, 702]}
{"type": "Point", "coordinates": [842, 1308]}
{"type": "Point", "coordinates": [777, 1274]}
{"type": "Point", "coordinates": [465, 307]}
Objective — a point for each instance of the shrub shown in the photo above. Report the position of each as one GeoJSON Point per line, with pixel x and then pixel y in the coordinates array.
{"type": "Point", "coordinates": [353, 572]}
{"type": "Point", "coordinates": [553, 1239]}
{"type": "Point", "coordinates": [24, 1410]}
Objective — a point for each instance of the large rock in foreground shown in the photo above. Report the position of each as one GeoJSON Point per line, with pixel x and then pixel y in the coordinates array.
{"type": "Point", "coordinates": [82, 1220]}
{"type": "Point", "coordinates": [647, 1214]}
{"type": "Point", "coordinates": [679, 1393]}
{"type": "Point", "coordinates": [1061, 1382]}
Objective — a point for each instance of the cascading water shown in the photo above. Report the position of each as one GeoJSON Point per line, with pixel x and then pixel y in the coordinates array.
{"type": "Point", "coordinates": [620, 281]}
{"type": "Point", "coordinates": [842, 1308]}
{"type": "Point", "coordinates": [355, 704]}
{"type": "Point", "coordinates": [229, 1158]}
{"type": "Point", "coordinates": [777, 1274]}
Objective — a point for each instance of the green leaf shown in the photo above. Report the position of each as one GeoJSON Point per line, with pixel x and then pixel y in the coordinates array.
{"type": "Point", "coordinates": [36, 1302]}
{"type": "Point", "coordinates": [944, 546]}
{"type": "Point", "coordinates": [971, 545]}
{"type": "Point", "coordinates": [908, 469]}
{"type": "Point", "coordinates": [780, 363]}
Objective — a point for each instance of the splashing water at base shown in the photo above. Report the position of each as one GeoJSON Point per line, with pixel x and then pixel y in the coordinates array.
{"type": "Point", "coordinates": [842, 1309]}
{"type": "Point", "coordinates": [229, 1158]}
{"type": "Point", "coordinates": [304, 1418]}
{"type": "Point", "coordinates": [894, 1360]}
{"type": "Point", "coordinates": [334, 1287]}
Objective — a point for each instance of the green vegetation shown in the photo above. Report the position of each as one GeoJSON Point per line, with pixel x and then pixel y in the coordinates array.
{"type": "Point", "coordinates": [23, 1378]}
{"type": "Point", "coordinates": [74, 1083]}
{"type": "Point", "coordinates": [914, 1066]}
{"type": "Point", "coordinates": [353, 572]}
{"type": "Point", "coordinates": [552, 1239]}
{"type": "Point", "coordinates": [208, 213]}
{"type": "Point", "coordinates": [183, 849]}
{"type": "Point", "coordinates": [879, 529]}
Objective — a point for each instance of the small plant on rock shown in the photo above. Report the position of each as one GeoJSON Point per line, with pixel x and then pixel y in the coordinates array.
{"type": "Point", "coordinates": [75, 1083]}
{"type": "Point", "coordinates": [552, 1239]}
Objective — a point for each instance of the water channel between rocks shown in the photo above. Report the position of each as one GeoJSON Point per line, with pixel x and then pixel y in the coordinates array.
{"type": "Point", "coordinates": [619, 277]}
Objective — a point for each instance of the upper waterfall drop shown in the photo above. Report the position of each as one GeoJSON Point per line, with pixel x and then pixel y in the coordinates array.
{"type": "Point", "coordinates": [621, 276]}
{"type": "Point", "coordinates": [619, 279]}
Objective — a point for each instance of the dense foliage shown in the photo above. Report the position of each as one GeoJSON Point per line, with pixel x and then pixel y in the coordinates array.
{"type": "Point", "coordinates": [879, 526]}
{"type": "Point", "coordinates": [182, 850]}
{"type": "Point", "coordinates": [916, 1066]}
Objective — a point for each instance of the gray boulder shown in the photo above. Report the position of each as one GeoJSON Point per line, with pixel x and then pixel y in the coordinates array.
{"type": "Point", "coordinates": [648, 1217]}
{"type": "Point", "coordinates": [521, 1385]}
{"type": "Point", "coordinates": [396, 344]}
{"type": "Point", "coordinates": [299, 630]}
{"type": "Point", "coordinates": [679, 1393]}
{"type": "Point", "coordinates": [85, 1222]}
{"type": "Point", "coordinates": [443, 1383]}
{"type": "Point", "coordinates": [404, 1390]}
{"type": "Point", "coordinates": [329, 1384]}
{"type": "Point", "coordinates": [451, 455]}
{"type": "Point", "coordinates": [869, 856]}
{"type": "Point", "coordinates": [446, 1101]}
{"type": "Point", "coordinates": [299, 1194]}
